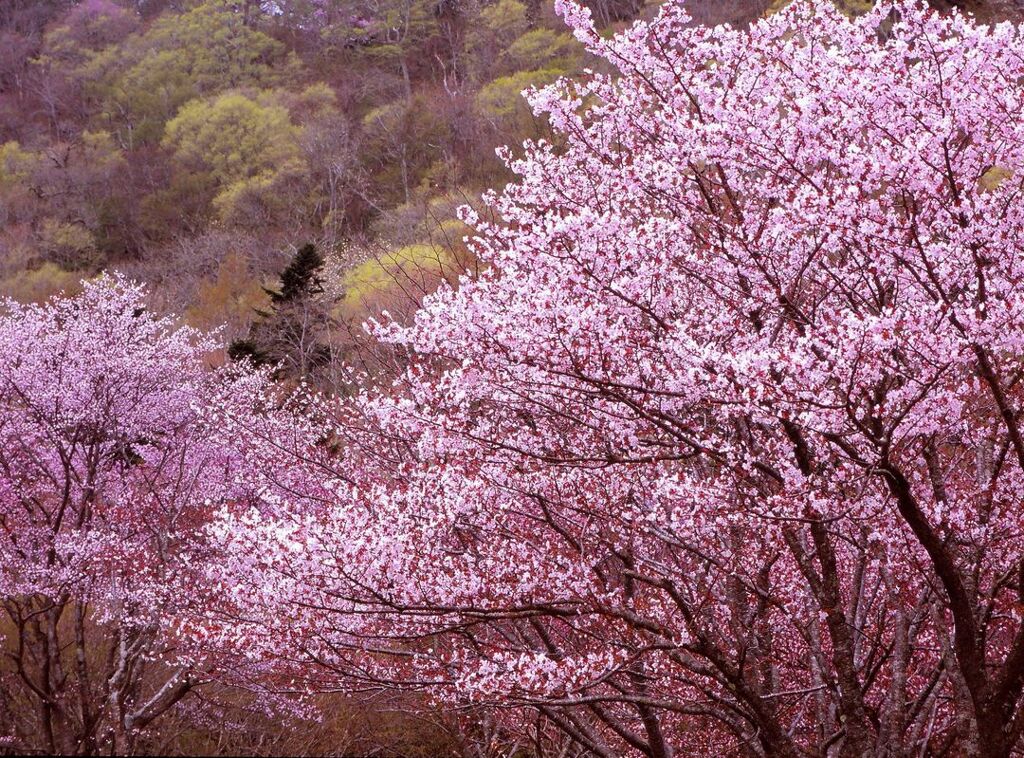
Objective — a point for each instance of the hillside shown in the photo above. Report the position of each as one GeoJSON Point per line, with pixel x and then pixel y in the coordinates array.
{"type": "Point", "coordinates": [198, 145]}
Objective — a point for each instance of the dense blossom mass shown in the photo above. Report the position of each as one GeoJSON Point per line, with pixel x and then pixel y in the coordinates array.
{"type": "Point", "coordinates": [721, 455]}
{"type": "Point", "coordinates": [114, 458]}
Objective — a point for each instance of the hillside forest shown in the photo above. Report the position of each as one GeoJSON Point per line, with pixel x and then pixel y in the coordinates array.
{"type": "Point", "coordinates": [197, 146]}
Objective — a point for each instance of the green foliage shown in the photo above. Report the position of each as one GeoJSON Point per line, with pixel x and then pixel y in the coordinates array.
{"type": "Point", "coordinates": [292, 332]}
{"type": "Point", "coordinates": [71, 244]}
{"type": "Point", "coordinates": [401, 140]}
{"type": "Point", "coordinates": [317, 100]}
{"type": "Point", "coordinates": [450, 232]}
{"type": "Point", "coordinates": [214, 46]}
{"type": "Point", "coordinates": [232, 137]}
{"type": "Point", "coordinates": [505, 18]}
{"type": "Point", "coordinates": [16, 165]}
{"type": "Point", "coordinates": [543, 48]}
{"type": "Point", "coordinates": [385, 118]}
{"type": "Point", "coordinates": [183, 203]}
{"type": "Point", "coordinates": [503, 98]}
{"type": "Point", "coordinates": [100, 151]}
{"type": "Point", "coordinates": [269, 198]}
{"type": "Point", "coordinates": [247, 148]}
{"type": "Point", "coordinates": [383, 36]}
{"type": "Point", "coordinates": [406, 267]}
{"type": "Point", "coordinates": [398, 26]}
{"type": "Point", "coordinates": [67, 192]}
{"type": "Point", "coordinates": [38, 284]}
{"type": "Point", "coordinates": [142, 81]}
{"type": "Point", "coordinates": [496, 26]}
{"type": "Point", "coordinates": [88, 28]}
{"type": "Point", "coordinates": [144, 127]}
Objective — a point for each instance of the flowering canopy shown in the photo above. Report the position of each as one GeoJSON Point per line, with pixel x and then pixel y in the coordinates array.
{"type": "Point", "coordinates": [113, 458]}
{"type": "Point", "coordinates": [722, 454]}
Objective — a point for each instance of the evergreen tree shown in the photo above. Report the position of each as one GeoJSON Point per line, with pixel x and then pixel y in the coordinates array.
{"type": "Point", "coordinates": [246, 349]}
{"type": "Point", "coordinates": [288, 333]}
{"type": "Point", "coordinates": [301, 277]}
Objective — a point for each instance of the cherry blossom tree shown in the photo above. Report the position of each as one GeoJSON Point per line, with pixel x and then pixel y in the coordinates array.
{"type": "Point", "coordinates": [721, 455]}
{"type": "Point", "coordinates": [112, 462]}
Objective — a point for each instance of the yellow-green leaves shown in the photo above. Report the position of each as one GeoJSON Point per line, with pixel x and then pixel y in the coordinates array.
{"type": "Point", "coordinates": [70, 244]}
{"type": "Point", "coordinates": [542, 47]}
{"type": "Point", "coordinates": [232, 137]}
{"type": "Point", "coordinates": [503, 97]}
{"type": "Point", "coordinates": [247, 147]}
{"type": "Point", "coordinates": [505, 18]}
{"type": "Point", "coordinates": [35, 285]}
{"type": "Point", "coordinates": [15, 164]}
{"type": "Point", "coordinates": [410, 267]}
{"type": "Point", "coordinates": [142, 80]}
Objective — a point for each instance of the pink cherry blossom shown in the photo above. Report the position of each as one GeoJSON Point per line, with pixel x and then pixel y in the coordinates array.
{"type": "Point", "coordinates": [115, 457]}
{"type": "Point", "coordinates": [721, 454]}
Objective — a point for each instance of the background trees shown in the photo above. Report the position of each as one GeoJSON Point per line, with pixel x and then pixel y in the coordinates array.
{"type": "Point", "coordinates": [147, 129]}
{"type": "Point", "coordinates": [246, 151]}
{"type": "Point", "coordinates": [293, 334]}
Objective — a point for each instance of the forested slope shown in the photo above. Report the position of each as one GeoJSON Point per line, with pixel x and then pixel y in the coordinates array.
{"type": "Point", "coordinates": [198, 145]}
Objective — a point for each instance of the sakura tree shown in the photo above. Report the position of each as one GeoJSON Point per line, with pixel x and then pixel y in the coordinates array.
{"type": "Point", "coordinates": [112, 461]}
{"type": "Point", "coordinates": [722, 453]}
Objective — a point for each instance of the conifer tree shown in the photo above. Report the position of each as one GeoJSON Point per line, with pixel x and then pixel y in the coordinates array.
{"type": "Point", "coordinates": [290, 334]}
{"type": "Point", "coordinates": [301, 277]}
